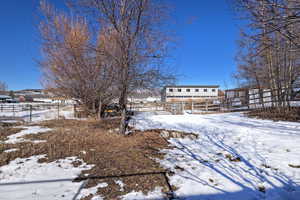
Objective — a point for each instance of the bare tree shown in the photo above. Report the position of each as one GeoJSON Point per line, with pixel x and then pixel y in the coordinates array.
{"type": "Point", "coordinates": [271, 56]}
{"type": "Point", "coordinates": [138, 43]}
{"type": "Point", "coordinates": [105, 50]}
{"type": "Point", "coordinates": [71, 63]}
{"type": "Point", "coordinates": [273, 16]}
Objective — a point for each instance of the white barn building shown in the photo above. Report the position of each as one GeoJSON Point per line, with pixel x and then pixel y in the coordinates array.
{"type": "Point", "coordinates": [188, 93]}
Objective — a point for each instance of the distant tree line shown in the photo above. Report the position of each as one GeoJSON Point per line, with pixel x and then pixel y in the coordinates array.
{"type": "Point", "coordinates": [269, 47]}
{"type": "Point", "coordinates": [101, 50]}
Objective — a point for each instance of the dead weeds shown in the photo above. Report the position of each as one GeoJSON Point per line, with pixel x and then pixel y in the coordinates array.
{"type": "Point", "coordinates": [111, 153]}
{"type": "Point", "coordinates": [6, 131]}
{"type": "Point", "coordinates": [276, 114]}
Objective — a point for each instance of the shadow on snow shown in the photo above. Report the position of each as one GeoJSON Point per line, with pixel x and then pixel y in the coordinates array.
{"type": "Point", "coordinates": [242, 173]}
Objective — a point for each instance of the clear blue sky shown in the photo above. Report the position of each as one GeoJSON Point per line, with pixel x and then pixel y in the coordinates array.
{"type": "Point", "coordinates": [207, 32]}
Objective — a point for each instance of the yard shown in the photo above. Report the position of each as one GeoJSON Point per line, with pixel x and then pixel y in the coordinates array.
{"type": "Point", "coordinates": [214, 156]}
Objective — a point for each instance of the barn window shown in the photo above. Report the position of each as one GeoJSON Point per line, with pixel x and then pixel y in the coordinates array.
{"type": "Point", "coordinates": [170, 90]}
{"type": "Point", "coordinates": [188, 90]}
{"type": "Point", "coordinates": [179, 90]}
{"type": "Point", "coordinates": [205, 90]}
{"type": "Point", "coordinates": [213, 90]}
{"type": "Point", "coordinates": [196, 90]}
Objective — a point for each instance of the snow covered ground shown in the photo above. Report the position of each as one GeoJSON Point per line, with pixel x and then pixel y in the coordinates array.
{"type": "Point", "coordinates": [234, 157]}
{"type": "Point", "coordinates": [18, 137]}
{"type": "Point", "coordinates": [153, 195]}
{"type": "Point", "coordinates": [26, 179]}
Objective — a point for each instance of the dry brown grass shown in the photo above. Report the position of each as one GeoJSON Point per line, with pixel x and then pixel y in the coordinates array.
{"type": "Point", "coordinates": [292, 114]}
{"type": "Point", "coordinates": [4, 132]}
{"type": "Point", "coordinates": [111, 153]}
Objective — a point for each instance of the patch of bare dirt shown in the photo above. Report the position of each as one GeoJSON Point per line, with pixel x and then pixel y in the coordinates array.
{"type": "Point", "coordinates": [97, 142]}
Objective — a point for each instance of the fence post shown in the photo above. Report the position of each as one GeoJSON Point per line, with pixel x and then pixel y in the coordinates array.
{"type": "Point", "coordinates": [14, 110]}
{"type": "Point", "coordinates": [58, 110]}
{"type": "Point", "coordinates": [30, 113]}
{"type": "Point", "coordinates": [74, 111]}
{"type": "Point", "coordinates": [206, 106]}
{"type": "Point", "coordinates": [192, 107]}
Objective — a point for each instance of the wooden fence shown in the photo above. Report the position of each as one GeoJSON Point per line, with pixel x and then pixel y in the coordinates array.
{"type": "Point", "coordinates": [256, 99]}
{"type": "Point", "coordinates": [176, 107]}
{"type": "Point", "coordinates": [252, 100]}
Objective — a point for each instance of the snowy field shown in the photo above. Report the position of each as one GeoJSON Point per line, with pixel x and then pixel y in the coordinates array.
{"type": "Point", "coordinates": [26, 179]}
{"type": "Point", "coordinates": [234, 157]}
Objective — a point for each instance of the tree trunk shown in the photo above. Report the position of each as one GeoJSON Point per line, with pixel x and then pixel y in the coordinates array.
{"type": "Point", "coordinates": [99, 109]}
{"type": "Point", "coordinates": [123, 102]}
{"type": "Point", "coordinates": [123, 124]}
{"type": "Point", "coordinates": [94, 108]}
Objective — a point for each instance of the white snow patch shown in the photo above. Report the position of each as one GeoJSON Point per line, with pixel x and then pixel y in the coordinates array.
{"type": "Point", "coordinates": [261, 149]}
{"type": "Point", "coordinates": [38, 141]}
{"type": "Point", "coordinates": [97, 197]}
{"type": "Point", "coordinates": [83, 152]}
{"type": "Point", "coordinates": [121, 184]}
{"type": "Point", "coordinates": [26, 170]}
{"type": "Point", "coordinates": [17, 138]}
{"type": "Point", "coordinates": [92, 191]}
{"type": "Point", "coordinates": [11, 150]}
{"type": "Point", "coordinates": [153, 195]}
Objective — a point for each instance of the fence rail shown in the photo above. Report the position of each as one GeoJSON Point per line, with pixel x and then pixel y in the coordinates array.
{"type": "Point", "coordinates": [25, 107]}
{"type": "Point", "coordinates": [176, 107]}
{"type": "Point", "coordinates": [261, 99]}
{"type": "Point", "coordinates": [253, 100]}
{"type": "Point", "coordinates": [27, 111]}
